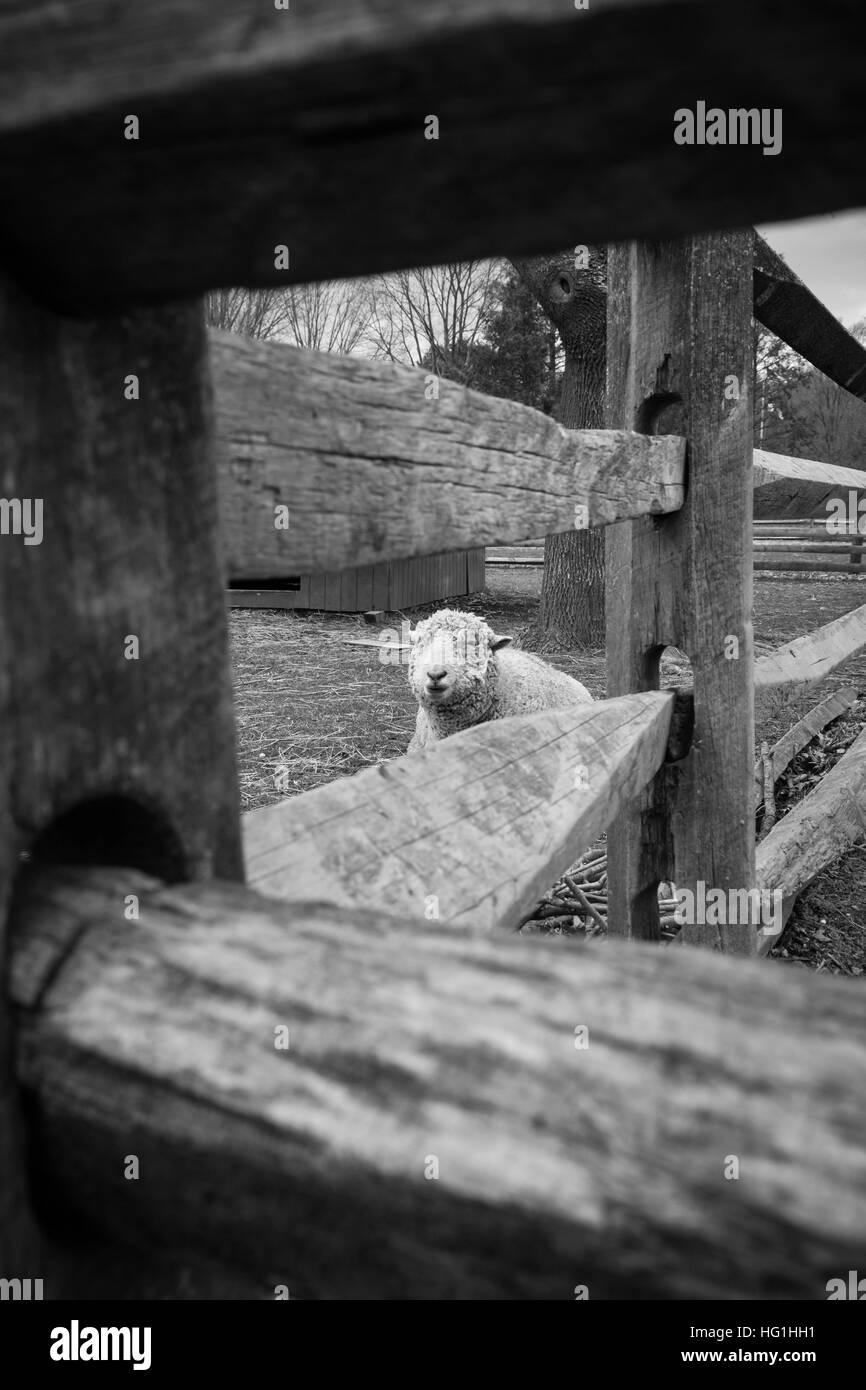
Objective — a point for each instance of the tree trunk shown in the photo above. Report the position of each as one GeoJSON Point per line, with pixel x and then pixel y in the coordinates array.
{"type": "Point", "coordinates": [571, 611]}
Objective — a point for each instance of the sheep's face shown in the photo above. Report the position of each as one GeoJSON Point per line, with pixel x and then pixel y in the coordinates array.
{"type": "Point", "coordinates": [449, 664]}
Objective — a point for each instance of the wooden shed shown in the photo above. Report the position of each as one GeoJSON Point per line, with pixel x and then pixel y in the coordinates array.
{"type": "Point", "coordinates": [388, 585]}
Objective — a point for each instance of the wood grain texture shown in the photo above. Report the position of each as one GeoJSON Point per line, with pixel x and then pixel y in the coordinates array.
{"type": "Point", "coordinates": [806, 566]}
{"type": "Point", "coordinates": [370, 470]}
{"type": "Point", "coordinates": [786, 672]}
{"type": "Point", "coordinates": [475, 829]}
{"type": "Point", "coordinates": [554, 124]}
{"type": "Point", "coordinates": [818, 829]}
{"type": "Point", "coordinates": [679, 328]}
{"type": "Point", "coordinates": [770, 562]}
{"type": "Point", "coordinates": [128, 549]}
{"type": "Point", "coordinates": [804, 527]}
{"type": "Point", "coordinates": [794, 487]}
{"type": "Point", "coordinates": [558, 1166]}
{"type": "Point", "coordinates": [840, 548]}
{"type": "Point", "coordinates": [790, 744]}
{"type": "Point", "coordinates": [790, 310]}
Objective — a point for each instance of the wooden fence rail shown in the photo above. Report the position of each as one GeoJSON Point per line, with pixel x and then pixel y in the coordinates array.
{"type": "Point", "coordinates": [561, 1098]}
{"type": "Point", "coordinates": [263, 109]}
{"type": "Point", "coordinates": [327, 463]}
{"type": "Point", "coordinates": [472, 831]}
{"type": "Point", "coordinates": [371, 465]}
{"type": "Point", "coordinates": [817, 830]}
{"type": "Point", "coordinates": [184, 147]}
{"type": "Point", "coordinates": [790, 310]}
{"type": "Point", "coordinates": [808, 660]}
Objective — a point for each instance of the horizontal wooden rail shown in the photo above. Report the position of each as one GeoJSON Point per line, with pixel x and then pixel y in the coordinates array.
{"type": "Point", "coordinates": [471, 832]}
{"type": "Point", "coordinates": [776, 546]}
{"type": "Point", "coordinates": [808, 660]}
{"type": "Point", "coordinates": [808, 527]}
{"type": "Point", "coordinates": [370, 469]}
{"type": "Point", "coordinates": [766, 563]}
{"type": "Point", "coordinates": [790, 310]}
{"type": "Point", "coordinates": [788, 488]}
{"type": "Point", "coordinates": [317, 117]}
{"type": "Point", "coordinates": [447, 1118]}
{"type": "Point", "coordinates": [817, 830]}
{"type": "Point", "coordinates": [762, 561]}
{"type": "Point", "coordinates": [326, 463]}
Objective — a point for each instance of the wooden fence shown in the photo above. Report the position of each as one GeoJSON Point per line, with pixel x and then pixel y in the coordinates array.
{"type": "Point", "coordinates": [805, 546]}
{"type": "Point", "coordinates": [338, 1077]}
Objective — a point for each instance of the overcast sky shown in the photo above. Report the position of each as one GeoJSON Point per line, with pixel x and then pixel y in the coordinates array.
{"type": "Point", "coordinates": [829, 254]}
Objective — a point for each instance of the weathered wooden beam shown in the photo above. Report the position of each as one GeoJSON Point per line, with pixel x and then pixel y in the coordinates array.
{"type": "Point", "coordinates": [679, 330]}
{"type": "Point", "coordinates": [439, 1118]}
{"type": "Point", "coordinates": [804, 566]}
{"type": "Point", "coordinates": [316, 118]}
{"type": "Point", "coordinates": [471, 832]}
{"type": "Point", "coordinates": [793, 487]}
{"type": "Point", "coordinates": [817, 830]}
{"type": "Point", "coordinates": [767, 546]}
{"type": "Point", "coordinates": [806, 661]}
{"type": "Point", "coordinates": [369, 468]}
{"type": "Point", "coordinates": [790, 310]}
{"type": "Point", "coordinates": [791, 743]}
{"type": "Point", "coordinates": [116, 722]}
{"type": "Point", "coordinates": [805, 527]}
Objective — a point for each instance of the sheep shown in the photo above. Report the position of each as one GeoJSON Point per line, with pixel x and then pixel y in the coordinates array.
{"type": "Point", "coordinates": [462, 674]}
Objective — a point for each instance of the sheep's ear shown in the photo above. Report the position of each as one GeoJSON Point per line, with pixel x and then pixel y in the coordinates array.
{"type": "Point", "coordinates": [497, 642]}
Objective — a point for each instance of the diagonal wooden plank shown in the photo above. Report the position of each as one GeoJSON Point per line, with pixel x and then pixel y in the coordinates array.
{"type": "Point", "coordinates": [790, 310]}
{"type": "Point", "coordinates": [791, 743]}
{"type": "Point", "coordinates": [807, 660]}
{"type": "Point", "coordinates": [818, 829]}
{"type": "Point", "coordinates": [580, 1104]}
{"type": "Point", "coordinates": [472, 832]}
{"type": "Point", "coordinates": [794, 487]}
{"type": "Point", "coordinates": [370, 469]}
{"type": "Point", "coordinates": [554, 123]}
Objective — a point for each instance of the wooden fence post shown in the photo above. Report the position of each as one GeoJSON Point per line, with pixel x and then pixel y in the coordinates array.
{"type": "Point", "coordinates": [116, 722]}
{"type": "Point", "coordinates": [680, 362]}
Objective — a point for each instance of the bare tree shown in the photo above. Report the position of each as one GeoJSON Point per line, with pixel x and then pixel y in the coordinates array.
{"type": "Point", "coordinates": [255, 313]}
{"type": "Point", "coordinates": [432, 317]}
{"type": "Point", "coordinates": [329, 315]}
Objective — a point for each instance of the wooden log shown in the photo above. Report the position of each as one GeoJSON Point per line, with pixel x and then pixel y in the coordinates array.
{"type": "Point", "coordinates": [766, 562]}
{"type": "Point", "coordinates": [806, 661]}
{"type": "Point", "coordinates": [116, 724]}
{"type": "Point", "coordinates": [787, 487]}
{"type": "Point", "coordinates": [817, 830]}
{"type": "Point", "coordinates": [412, 1056]}
{"type": "Point", "coordinates": [767, 546]}
{"type": "Point", "coordinates": [317, 119]}
{"type": "Point", "coordinates": [471, 832]}
{"type": "Point", "coordinates": [675, 312]}
{"type": "Point", "coordinates": [805, 527]}
{"type": "Point", "coordinates": [791, 743]}
{"type": "Point", "coordinates": [500, 560]}
{"type": "Point", "coordinates": [370, 469]}
{"type": "Point", "coordinates": [790, 310]}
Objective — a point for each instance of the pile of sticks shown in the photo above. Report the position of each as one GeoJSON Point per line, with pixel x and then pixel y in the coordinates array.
{"type": "Point", "coordinates": [577, 904]}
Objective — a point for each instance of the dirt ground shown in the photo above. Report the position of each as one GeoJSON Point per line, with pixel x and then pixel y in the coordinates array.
{"type": "Point", "coordinates": [312, 706]}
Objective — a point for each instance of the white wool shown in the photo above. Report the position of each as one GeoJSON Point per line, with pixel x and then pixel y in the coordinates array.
{"type": "Point", "coordinates": [462, 674]}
